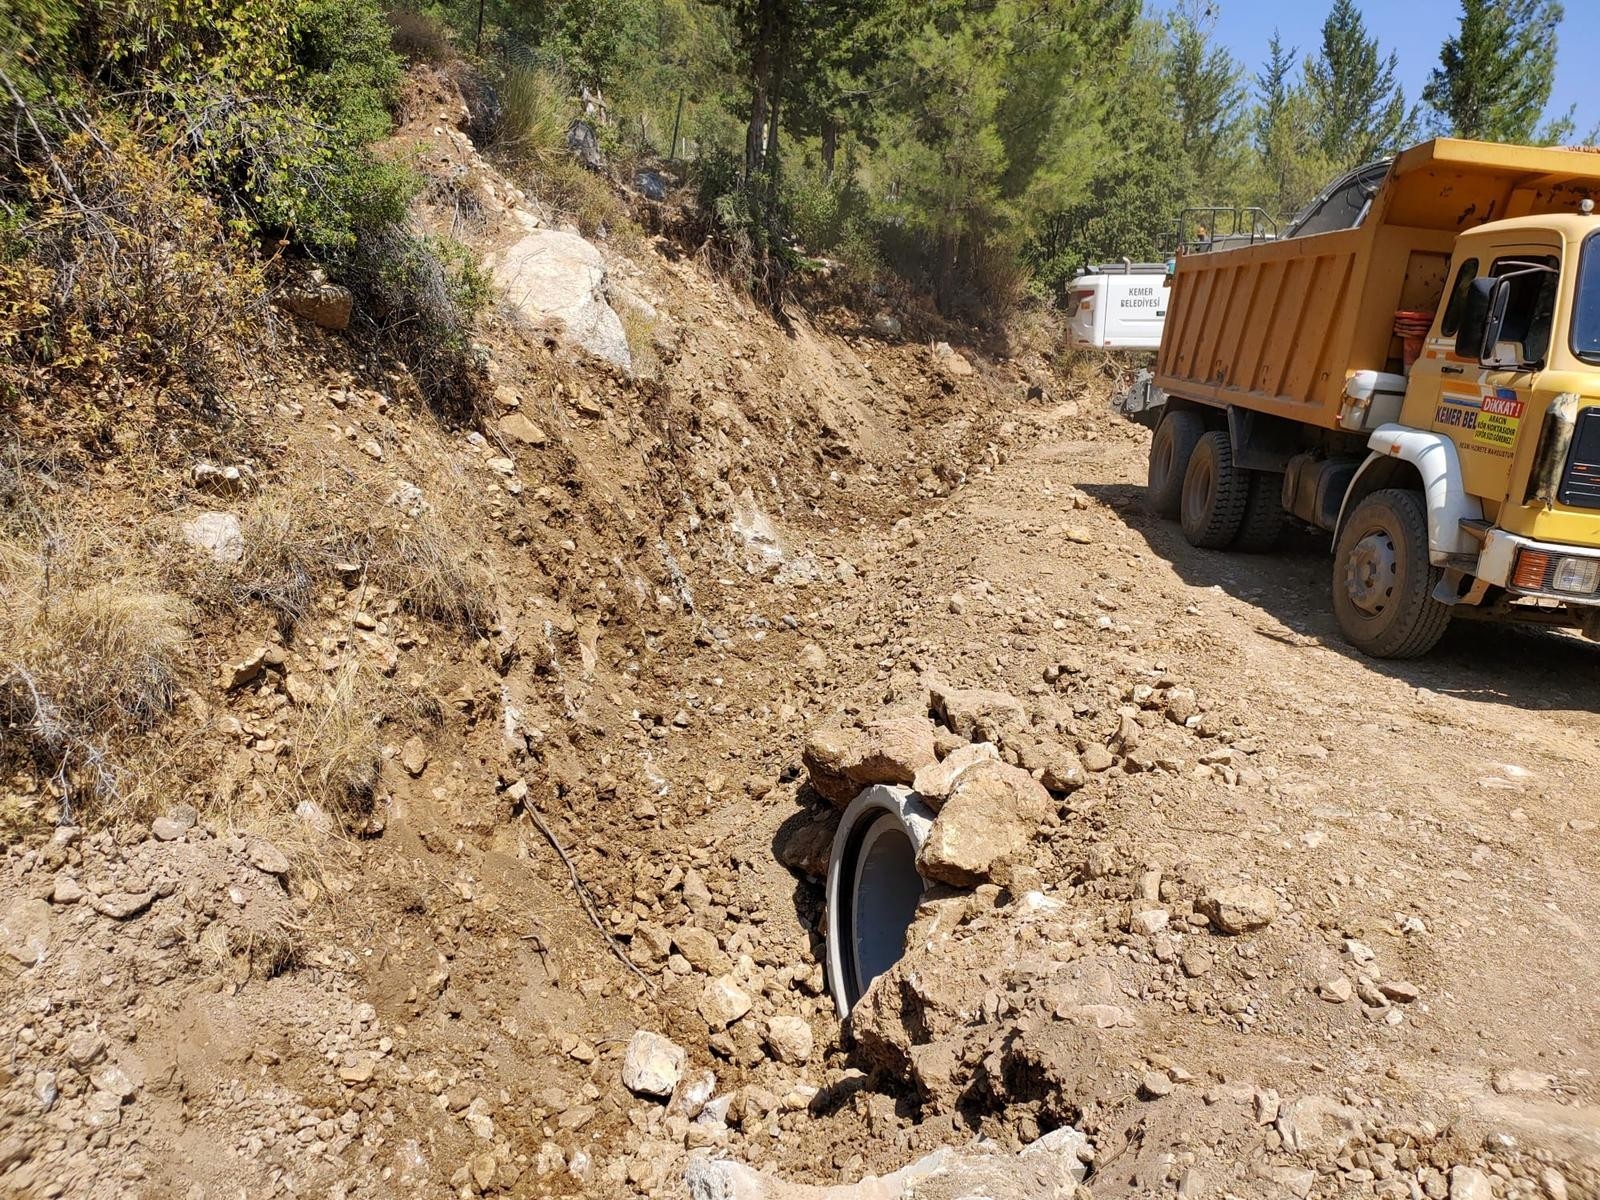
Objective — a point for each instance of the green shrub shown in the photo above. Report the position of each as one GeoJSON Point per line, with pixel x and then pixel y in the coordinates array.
{"type": "Point", "coordinates": [116, 265]}
{"type": "Point", "coordinates": [273, 102]}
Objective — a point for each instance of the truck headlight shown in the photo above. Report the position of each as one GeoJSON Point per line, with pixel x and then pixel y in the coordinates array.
{"type": "Point", "coordinates": [1541, 571]}
{"type": "Point", "coordinates": [1576, 575]}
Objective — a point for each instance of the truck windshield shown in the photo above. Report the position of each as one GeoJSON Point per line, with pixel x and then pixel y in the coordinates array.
{"type": "Point", "coordinates": [1586, 311]}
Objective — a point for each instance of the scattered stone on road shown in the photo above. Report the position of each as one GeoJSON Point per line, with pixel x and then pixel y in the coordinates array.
{"type": "Point", "coordinates": [653, 1065]}
{"type": "Point", "coordinates": [1238, 909]}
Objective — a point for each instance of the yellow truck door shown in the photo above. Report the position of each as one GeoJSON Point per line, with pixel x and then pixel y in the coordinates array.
{"type": "Point", "coordinates": [1482, 409]}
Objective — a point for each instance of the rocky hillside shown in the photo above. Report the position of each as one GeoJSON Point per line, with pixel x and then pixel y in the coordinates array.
{"type": "Point", "coordinates": [342, 728]}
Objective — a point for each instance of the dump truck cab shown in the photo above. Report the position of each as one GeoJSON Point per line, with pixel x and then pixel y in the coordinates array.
{"type": "Point", "coordinates": [1423, 383]}
{"type": "Point", "coordinates": [1510, 373]}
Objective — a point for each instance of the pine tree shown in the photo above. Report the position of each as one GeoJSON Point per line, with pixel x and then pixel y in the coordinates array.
{"type": "Point", "coordinates": [1209, 96]}
{"type": "Point", "coordinates": [1360, 109]}
{"type": "Point", "coordinates": [1290, 165]}
{"type": "Point", "coordinates": [1494, 76]}
{"type": "Point", "coordinates": [1272, 89]}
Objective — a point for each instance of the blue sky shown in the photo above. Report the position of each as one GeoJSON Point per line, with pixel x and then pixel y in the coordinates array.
{"type": "Point", "coordinates": [1414, 28]}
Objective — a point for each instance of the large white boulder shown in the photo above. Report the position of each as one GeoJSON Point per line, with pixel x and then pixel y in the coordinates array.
{"type": "Point", "coordinates": [553, 275]}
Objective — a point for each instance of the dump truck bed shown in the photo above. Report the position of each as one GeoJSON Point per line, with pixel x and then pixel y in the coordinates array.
{"type": "Point", "coordinates": [1279, 327]}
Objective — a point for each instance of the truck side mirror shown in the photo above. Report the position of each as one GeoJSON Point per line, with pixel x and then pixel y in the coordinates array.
{"type": "Point", "coordinates": [1471, 337]}
{"type": "Point", "coordinates": [1489, 354]}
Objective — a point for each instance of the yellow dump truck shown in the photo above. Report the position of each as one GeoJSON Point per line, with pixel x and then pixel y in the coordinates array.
{"type": "Point", "coordinates": [1414, 367]}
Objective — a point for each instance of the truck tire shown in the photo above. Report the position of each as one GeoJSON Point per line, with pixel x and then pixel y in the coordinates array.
{"type": "Point", "coordinates": [1263, 514]}
{"type": "Point", "coordinates": [1215, 494]}
{"type": "Point", "coordinates": [1170, 449]}
{"type": "Point", "coordinates": [1382, 580]}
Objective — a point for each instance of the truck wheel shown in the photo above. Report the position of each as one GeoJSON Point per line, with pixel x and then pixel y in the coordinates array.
{"type": "Point", "coordinates": [1174, 441]}
{"type": "Point", "coordinates": [1382, 580]}
{"type": "Point", "coordinates": [1215, 493]}
{"type": "Point", "coordinates": [1263, 514]}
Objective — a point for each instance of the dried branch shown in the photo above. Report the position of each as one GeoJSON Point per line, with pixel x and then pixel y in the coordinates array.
{"type": "Point", "coordinates": [584, 894]}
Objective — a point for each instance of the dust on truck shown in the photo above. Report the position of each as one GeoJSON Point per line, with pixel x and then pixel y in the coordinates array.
{"type": "Point", "coordinates": [1424, 384]}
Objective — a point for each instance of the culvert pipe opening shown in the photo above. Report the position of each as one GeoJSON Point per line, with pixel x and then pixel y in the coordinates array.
{"type": "Point", "coordinates": [873, 888]}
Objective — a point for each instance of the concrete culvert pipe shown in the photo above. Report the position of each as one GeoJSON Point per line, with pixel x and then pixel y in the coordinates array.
{"type": "Point", "coordinates": [873, 887]}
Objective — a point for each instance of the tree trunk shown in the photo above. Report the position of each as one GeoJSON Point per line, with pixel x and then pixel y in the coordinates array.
{"type": "Point", "coordinates": [779, 62]}
{"type": "Point", "coordinates": [830, 145]}
{"type": "Point", "coordinates": [760, 85]}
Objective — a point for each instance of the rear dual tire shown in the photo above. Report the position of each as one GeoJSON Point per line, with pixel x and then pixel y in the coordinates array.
{"type": "Point", "coordinates": [1215, 494]}
{"type": "Point", "coordinates": [1192, 477]}
{"type": "Point", "coordinates": [1171, 449]}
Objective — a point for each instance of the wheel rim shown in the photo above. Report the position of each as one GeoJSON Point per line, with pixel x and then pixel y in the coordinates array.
{"type": "Point", "coordinates": [1371, 573]}
{"type": "Point", "coordinates": [1198, 487]}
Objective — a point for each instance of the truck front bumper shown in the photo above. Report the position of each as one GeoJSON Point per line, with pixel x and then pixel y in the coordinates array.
{"type": "Point", "coordinates": [1499, 561]}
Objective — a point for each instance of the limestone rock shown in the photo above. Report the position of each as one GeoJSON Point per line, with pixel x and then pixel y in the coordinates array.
{"type": "Point", "coordinates": [1318, 1126]}
{"type": "Point", "coordinates": [120, 906]}
{"type": "Point", "coordinates": [414, 756]}
{"type": "Point", "coordinates": [1401, 991]}
{"type": "Point", "coordinates": [264, 856]}
{"type": "Point", "coordinates": [1240, 908]}
{"type": "Point", "coordinates": [701, 949]}
{"type": "Point", "coordinates": [805, 844]}
{"type": "Point", "coordinates": [791, 1040]}
{"type": "Point", "coordinates": [1336, 990]}
{"type": "Point", "coordinates": [1050, 1168]}
{"type": "Point", "coordinates": [1469, 1183]}
{"type": "Point", "coordinates": [1058, 768]}
{"type": "Point", "coordinates": [976, 713]}
{"type": "Point", "coordinates": [1149, 921]}
{"type": "Point", "coordinates": [227, 480]}
{"type": "Point", "coordinates": [314, 298]}
{"type": "Point", "coordinates": [952, 361]}
{"type": "Point", "coordinates": [723, 1002]}
{"type": "Point", "coordinates": [985, 825]}
{"type": "Point", "coordinates": [25, 930]}
{"type": "Point", "coordinates": [842, 761]}
{"type": "Point", "coordinates": [1096, 758]}
{"type": "Point", "coordinates": [551, 275]}
{"type": "Point", "coordinates": [653, 1065]}
{"type": "Point", "coordinates": [217, 534]}
{"type": "Point", "coordinates": [520, 429]}
{"type": "Point", "coordinates": [891, 751]}
{"type": "Point", "coordinates": [651, 943]}
{"type": "Point", "coordinates": [824, 755]}
{"type": "Point", "coordinates": [935, 781]}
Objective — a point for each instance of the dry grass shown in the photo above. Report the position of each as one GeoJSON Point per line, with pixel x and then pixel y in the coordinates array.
{"type": "Point", "coordinates": [639, 327]}
{"type": "Point", "coordinates": [288, 552]}
{"type": "Point", "coordinates": [535, 109]}
{"type": "Point", "coordinates": [530, 140]}
{"type": "Point", "coordinates": [91, 648]}
{"type": "Point", "coordinates": [336, 751]}
{"type": "Point", "coordinates": [301, 539]}
{"type": "Point", "coordinates": [423, 560]}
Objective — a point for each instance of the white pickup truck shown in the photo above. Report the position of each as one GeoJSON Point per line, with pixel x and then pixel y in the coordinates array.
{"type": "Point", "coordinates": [1118, 306]}
{"type": "Point", "coordinates": [1123, 305]}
